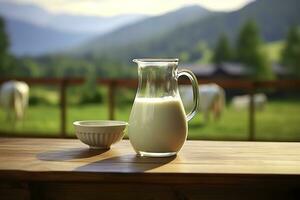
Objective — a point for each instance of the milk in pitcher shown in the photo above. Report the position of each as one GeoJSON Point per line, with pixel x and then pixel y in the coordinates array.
{"type": "Point", "coordinates": [157, 125]}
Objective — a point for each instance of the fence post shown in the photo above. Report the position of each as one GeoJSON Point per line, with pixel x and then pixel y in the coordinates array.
{"type": "Point", "coordinates": [63, 103]}
{"type": "Point", "coordinates": [251, 113]}
{"type": "Point", "coordinates": [111, 100]}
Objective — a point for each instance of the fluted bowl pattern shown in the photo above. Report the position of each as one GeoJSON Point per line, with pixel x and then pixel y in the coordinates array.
{"type": "Point", "coordinates": [99, 134]}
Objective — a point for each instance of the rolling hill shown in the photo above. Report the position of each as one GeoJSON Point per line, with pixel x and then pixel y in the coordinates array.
{"type": "Point", "coordinates": [143, 30]}
{"type": "Point", "coordinates": [273, 17]}
{"type": "Point", "coordinates": [34, 31]}
{"type": "Point", "coordinates": [36, 15]}
{"type": "Point", "coordinates": [28, 39]}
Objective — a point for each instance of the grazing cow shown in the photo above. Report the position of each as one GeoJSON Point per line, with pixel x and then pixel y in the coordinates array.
{"type": "Point", "coordinates": [212, 99]}
{"type": "Point", "coordinates": [242, 102]}
{"type": "Point", "coordinates": [14, 99]}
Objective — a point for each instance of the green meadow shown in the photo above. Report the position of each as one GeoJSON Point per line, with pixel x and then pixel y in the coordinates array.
{"type": "Point", "coordinates": [279, 121]}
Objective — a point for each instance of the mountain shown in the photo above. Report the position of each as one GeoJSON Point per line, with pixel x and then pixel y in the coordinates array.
{"type": "Point", "coordinates": [91, 24]}
{"type": "Point", "coordinates": [36, 15]}
{"type": "Point", "coordinates": [145, 29]}
{"type": "Point", "coordinates": [274, 17]}
{"type": "Point", "coordinates": [29, 39]}
{"type": "Point", "coordinates": [34, 31]}
{"type": "Point", "coordinates": [29, 13]}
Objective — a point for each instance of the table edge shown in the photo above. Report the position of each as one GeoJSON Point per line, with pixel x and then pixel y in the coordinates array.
{"type": "Point", "coordinates": [141, 177]}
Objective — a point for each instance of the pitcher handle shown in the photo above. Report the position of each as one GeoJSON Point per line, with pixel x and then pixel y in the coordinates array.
{"type": "Point", "coordinates": [193, 79]}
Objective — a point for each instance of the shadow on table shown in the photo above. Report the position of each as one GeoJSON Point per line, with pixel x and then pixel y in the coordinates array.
{"type": "Point", "coordinates": [126, 163]}
{"type": "Point", "coordinates": [69, 154]}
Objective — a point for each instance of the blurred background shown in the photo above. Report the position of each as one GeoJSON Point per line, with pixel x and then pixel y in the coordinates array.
{"type": "Point", "coordinates": [76, 55]}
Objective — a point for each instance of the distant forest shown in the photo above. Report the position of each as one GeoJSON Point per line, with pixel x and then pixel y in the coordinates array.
{"type": "Point", "coordinates": [248, 50]}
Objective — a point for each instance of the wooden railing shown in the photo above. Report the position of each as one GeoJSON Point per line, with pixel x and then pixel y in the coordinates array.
{"type": "Point", "coordinates": [249, 87]}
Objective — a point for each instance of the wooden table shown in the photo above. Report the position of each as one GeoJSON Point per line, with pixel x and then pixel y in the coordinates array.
{"type": "Point", "coordinates": [67, 169]}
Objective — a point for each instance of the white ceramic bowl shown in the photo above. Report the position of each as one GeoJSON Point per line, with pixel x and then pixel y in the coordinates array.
{"type": "Point", "coordinates": [99, 134]}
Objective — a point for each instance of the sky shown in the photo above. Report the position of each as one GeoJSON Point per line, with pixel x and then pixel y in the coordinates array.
{"type": "Point", "coordinates": [117, 7]}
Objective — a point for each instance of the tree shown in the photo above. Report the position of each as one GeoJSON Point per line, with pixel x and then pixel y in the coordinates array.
{"type": "Point", "coordinates": [4, 45]}
{"type": "Point", "coordinates": [249, 52]}
{"type": "Point", "coordinates": [89, 91]}
{"type": "Point", "coordinates": [222, 52]}
{"type": "Point", "coordinates": [290, 56]}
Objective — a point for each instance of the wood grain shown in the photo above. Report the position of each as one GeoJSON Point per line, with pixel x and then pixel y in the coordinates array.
{"type": "Point", "coordinates": [53, 158]}
{"type": "Point", "coordinates": [67, 169]}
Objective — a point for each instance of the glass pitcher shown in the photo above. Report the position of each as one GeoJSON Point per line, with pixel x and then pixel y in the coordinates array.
{"type": "Point", "coordinates": [158, 122]}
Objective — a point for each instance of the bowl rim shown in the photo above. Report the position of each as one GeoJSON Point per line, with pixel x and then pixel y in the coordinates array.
{"type": "Point", "coordinates": [99, 123]}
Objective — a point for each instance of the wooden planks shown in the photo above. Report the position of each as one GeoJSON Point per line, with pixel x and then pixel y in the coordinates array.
{"type": "Point", "coordinates": [67, 169]}
{"type": "Point", "coordinates": [50, 157]}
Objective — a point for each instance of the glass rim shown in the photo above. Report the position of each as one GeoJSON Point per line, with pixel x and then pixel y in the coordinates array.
{"type": "Point", "coordinates": [156, 60]}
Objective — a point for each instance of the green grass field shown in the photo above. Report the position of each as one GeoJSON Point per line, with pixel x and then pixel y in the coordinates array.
{"type": "Point", "coordinates": [279, 121]}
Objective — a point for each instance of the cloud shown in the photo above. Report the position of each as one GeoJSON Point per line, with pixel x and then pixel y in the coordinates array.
{"type": "Point", "coordinates": [115, 7]}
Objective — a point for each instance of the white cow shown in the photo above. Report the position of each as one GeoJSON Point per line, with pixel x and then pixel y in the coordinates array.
{"type": "Point", "coordinates": [212, 99]}
{"type": "Point", "coordinates": [14, 99]}
{"type": "Point", "coordinates": [242, 102]}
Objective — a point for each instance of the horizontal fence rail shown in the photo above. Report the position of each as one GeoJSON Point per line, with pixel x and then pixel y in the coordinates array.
{"type": "Point", "coordinates": [112, 84]}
